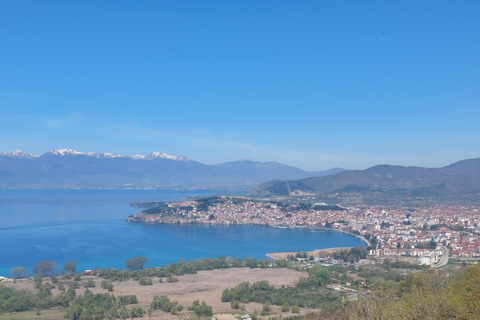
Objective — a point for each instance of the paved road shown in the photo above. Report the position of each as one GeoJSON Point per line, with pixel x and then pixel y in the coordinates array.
{"type": "Point", "coordinates": [444, 258]}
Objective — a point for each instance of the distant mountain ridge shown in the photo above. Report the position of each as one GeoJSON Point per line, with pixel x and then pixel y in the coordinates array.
{"type": "Point", "coordinates": [67, 168]}
{"type": "Point", "coordinates": [460, 179]}
{"type": "Point", "coordinates": [70, 152]}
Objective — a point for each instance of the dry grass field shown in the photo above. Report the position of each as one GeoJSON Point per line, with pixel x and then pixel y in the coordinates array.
{"type": "Point", "coordinates": [205, 285]}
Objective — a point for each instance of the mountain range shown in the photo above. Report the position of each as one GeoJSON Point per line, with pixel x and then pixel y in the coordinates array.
{"type": "Point", "coordinates": [458, 181]}
{"type": "Point", "coordinates": [66, 168]}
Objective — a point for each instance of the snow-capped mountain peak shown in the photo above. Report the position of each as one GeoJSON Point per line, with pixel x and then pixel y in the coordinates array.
{"type": "Point", "coordinates": [155, 155]}
{"type": "Point", "coordinates": [18, 154]}
{"type": "Point", "coordinates": [183, 158]}
{"type": "Point", "coordinates": [64, 152]}
{"type": "Point", "coordinates": [101, 155]}
{"type": "Point", "coordinates": [98, 155]}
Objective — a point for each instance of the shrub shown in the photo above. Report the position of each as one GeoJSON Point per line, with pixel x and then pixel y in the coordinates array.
{"type": "Point", "coordinates": [89, 284]}
{"type": "Point", "coordinates": [145, 281]}
{"type": "Point", "coordinates": [107, 285]}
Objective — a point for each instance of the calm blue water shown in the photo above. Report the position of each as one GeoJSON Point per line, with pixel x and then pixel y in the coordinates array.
{"type": "Point", "coordinates": [88, 226]}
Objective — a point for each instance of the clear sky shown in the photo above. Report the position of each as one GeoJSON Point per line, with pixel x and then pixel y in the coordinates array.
{"type": "Point", "coordinates": [314, 84]}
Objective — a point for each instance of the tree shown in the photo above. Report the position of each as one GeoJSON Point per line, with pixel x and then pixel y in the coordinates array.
{"type": "Point", "coordinates": [387, 264]}
{"type": "Point", "coordinates": [251, 262]}
{"type": "Point", "coordinates": [202, 310]}
{"type": "Point", "coordinates": [18, 272]}
{"type": "Point", "coordinates": [45, 268]}
{"type": "Point", "coordinates": [135, 263]}
{"type": "Point", "coordinates": [37, 280]}
{"type": "Point", "coordinates": [70, 266]}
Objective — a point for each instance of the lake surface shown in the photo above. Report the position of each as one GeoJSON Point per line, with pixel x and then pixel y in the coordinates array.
{"type": "Point", "coordinates": [89, 227]}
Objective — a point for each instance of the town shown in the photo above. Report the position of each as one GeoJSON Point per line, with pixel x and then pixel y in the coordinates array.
{"type": "Point", "coordinates": [433, 234]}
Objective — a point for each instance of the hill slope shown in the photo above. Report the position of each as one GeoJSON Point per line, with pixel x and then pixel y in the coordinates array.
{"type": "Point", "coordinates": [459, 179]}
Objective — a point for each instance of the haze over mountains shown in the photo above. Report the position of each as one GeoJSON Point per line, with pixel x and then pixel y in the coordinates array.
{"type": "Point", "coordinates": [458, 181]}
{"type": "Point", "coordinates": [66, 168]}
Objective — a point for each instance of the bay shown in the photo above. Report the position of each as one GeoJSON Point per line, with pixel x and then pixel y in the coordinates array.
{"type": "Point", "coordinates": [89, 227]}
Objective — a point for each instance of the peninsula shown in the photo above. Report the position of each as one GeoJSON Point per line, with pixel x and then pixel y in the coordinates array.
{"type": "Point", "coordinates": [434, 232]}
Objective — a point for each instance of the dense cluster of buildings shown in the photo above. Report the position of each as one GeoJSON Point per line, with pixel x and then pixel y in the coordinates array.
{"type": "Point", "coordinates": [423, 232]}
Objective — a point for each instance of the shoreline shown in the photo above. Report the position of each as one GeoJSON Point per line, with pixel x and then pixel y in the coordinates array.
{"type": "Point", "coordinates": [132, 220]}
{"type": "Point", "coordinates": [355, 235]}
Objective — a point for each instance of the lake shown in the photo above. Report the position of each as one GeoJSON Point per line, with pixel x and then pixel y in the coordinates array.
{"type": "Point", "coordinates": [89, 227]}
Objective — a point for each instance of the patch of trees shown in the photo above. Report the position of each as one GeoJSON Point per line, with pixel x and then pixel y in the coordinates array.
{"type": "Point", "coordinates": [107, 285]}
{"type": "Point", "coordinates": [317, 276]}
{"type": "Point", "coordinates": [145, 281]}
{"type": "Point", "coordinates": [299, 207]}
{"type": "Point", "coordinates": [162, 208]}
{"type": "Point", "coordinates": [309, 292]}
{"type": "Point", "coordinates": [135, 263]}
{"type": "Point", "coordinates": [148, 204]}
{"type": "Point", "coordinates": [89, 284]}
{"type": "Point", "coordinates": [426, 245]}
{"type": "Point", "coordinates": [70, 266]}
{"type": "Point", "coordinates": [240, 200]}
{"type": "Point", "coordinates": [14, 300]}
{"type": "Point", "coordinates": [201, 309]}
{"type": "Point", "coordinates": [205, 203]}
{"type": "Point", "coordinates": [187, 267]}
{"type": "Point", "coordinates": [45, 268]}
{"type": "Point", "coordinates": [18, 272]}
{"type": "Point", "coordinates": [329, 208]}
{"type": "Point", "coordinates": [102, 306]}
{"type": "Point", "coordinates": [385, 225]}
{"type": "Point", "coordinates": [163, 303]}
{"type": "Point", "coordinates": [375, 276]}
{"type": "Point", "coordinates": [352, 255]}
{"type": "Point", "coordinates": [302, 255]}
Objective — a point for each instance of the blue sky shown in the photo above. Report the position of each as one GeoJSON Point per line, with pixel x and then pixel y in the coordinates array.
{"type": "Point", "coordinates": [314, 84]}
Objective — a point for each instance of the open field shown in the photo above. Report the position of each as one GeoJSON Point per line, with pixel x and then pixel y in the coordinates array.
{"type": "Point", "coordinates": [52, 314]}
{"type": "Point", "coordinates": [205, 285]}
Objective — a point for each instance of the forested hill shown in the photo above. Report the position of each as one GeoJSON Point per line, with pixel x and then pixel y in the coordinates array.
{"type": "Point", "coordinates": [458, 181]}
